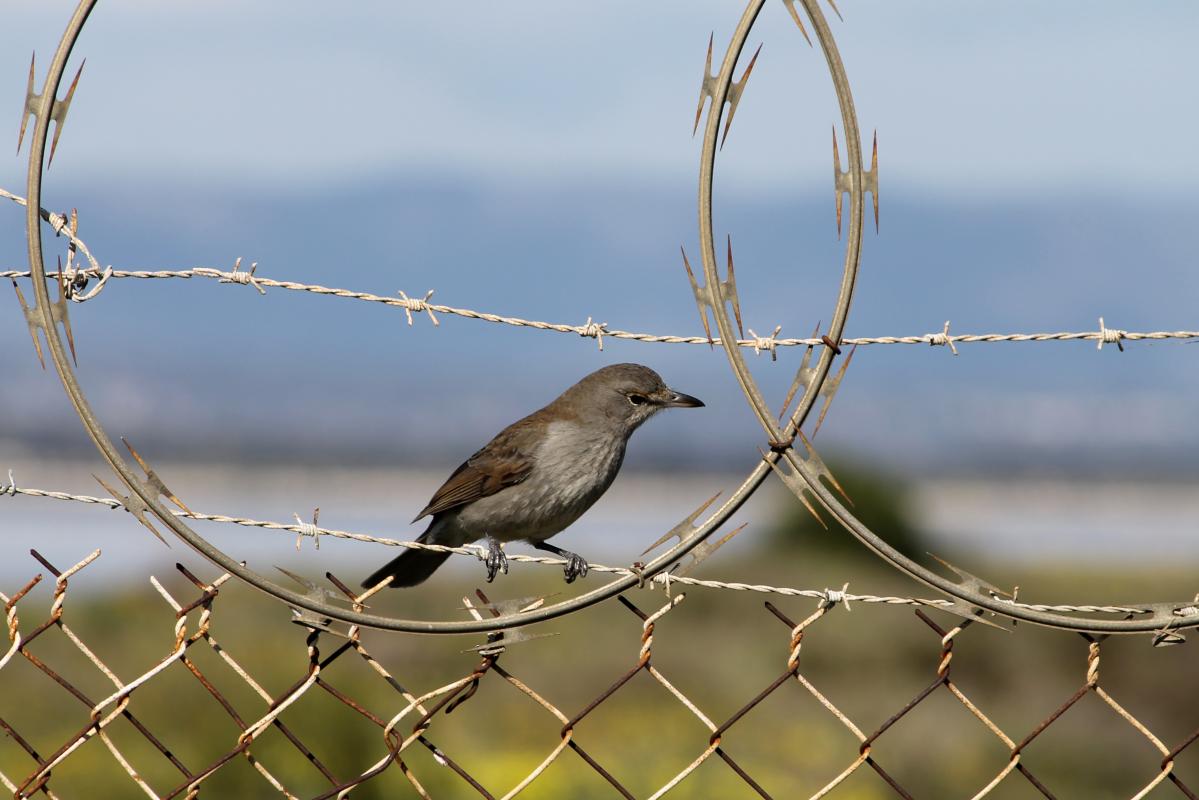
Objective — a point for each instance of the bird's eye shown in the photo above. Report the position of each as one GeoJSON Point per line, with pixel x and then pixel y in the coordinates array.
{"type": "Point", "coordinates": [638, 399]}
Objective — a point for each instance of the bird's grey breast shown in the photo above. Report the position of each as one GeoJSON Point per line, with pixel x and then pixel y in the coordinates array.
{"type": "Point", "coordinates": [573, 465]}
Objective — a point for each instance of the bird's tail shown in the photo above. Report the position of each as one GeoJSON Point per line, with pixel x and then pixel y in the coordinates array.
{"type": "Point", "coordinates": [410, 567]}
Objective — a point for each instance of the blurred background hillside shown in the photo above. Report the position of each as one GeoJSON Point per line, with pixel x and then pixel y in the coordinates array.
{"type": "Point", "coordinates": [540, 165]}
{"type": "Point", "coordinates": [528, 162]}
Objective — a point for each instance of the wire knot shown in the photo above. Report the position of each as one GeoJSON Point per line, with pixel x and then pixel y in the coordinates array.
{"type": "Point", "coordinates": [418, 304]}
{"type": "Point", "coordinates": [638, 569]}
{"type": "Point", "coordinates": [11, 488]}
{"type": "Point", "coordinates": [244, 278]}
{"type": "Point", "coordinates": [593, 330]}
{"type": "Point", "coordinates": [834, 596]}
{"type": "Point", "coordinates": [768, 343]}
{"type": "Point", "coordinates": [77, 280]}
{"type": "Point", "coordinates": [1111, 336]}
{"type": "Point", "coordinates": [942, 339]}
{"type": "Point", "coordinates": [72, 279]}
{"type": "Point", "coordinates": [309, 529]}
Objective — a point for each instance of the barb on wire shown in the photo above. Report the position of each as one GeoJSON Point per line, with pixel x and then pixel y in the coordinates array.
{"type": "Point", "coordinates": [599, 331]}
{"type": "Point", "coordinates": [942, 339]}
{"type": "Point", "coordinates": [237, 275]}
{"type": "Point", "coordinates": [680, 531]}
{"type": "Point", "coordinates": [419, 304]}
{"type": "Point", "coordinates": [78, 278]}
{"type": "Point", "coordinates": [1111, 336]}
{"type": "Point", "coordinates": [58, 111]}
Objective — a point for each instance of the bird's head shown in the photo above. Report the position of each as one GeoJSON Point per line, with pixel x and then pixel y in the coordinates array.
{"type": "Point", "coordinates": [627, 393]}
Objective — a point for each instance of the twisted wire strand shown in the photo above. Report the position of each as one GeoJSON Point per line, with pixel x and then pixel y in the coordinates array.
{"type": "Point", "coordinates": [589, 329]}
{"type": "Point", "coordinates": [663, 579]}
{"type": "Point", "coordinates": [600, 331]}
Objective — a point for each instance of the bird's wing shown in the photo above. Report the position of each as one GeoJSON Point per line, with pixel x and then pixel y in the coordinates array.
{"type": "Point", "coordinates": [493, 468]}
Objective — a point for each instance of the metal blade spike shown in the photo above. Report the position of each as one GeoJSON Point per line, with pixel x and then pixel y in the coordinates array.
{"type": "Point", "coordinates": [797, 486]}
{"type": "Point", "coordinates": [60, 314]}
{"type": "Point", "coordinates": [705, 550]}
{"type": "Point", "coordinates": [734, 95]}
{"type": "Point", "coordinates": [155, 482]}
{"type": "Point", "coordinates": [830, 388]}
{"type": "Point", "coordinates": [61, 106]}
{"type": "Point", "coordinates": [708, 59]}
{"type": "Point", "coordinates": [728, 123]}
{"type": "Point", "coordinates": [837, 179]}
{"type": "Point", "coordinates": [798, 21]}
{"type": "Point", "coordinates": [974, 614]}
{"type": "Point", "coordinates": [506, 639]}
{"type": "Point", "coordinates": [506, 608]}
{"type": "Point", "coordinates": [59, 114]}
{"type": "Point", "coordinates": [969, 580]}
{"type": "Point", "coordinates": [791, 392]}
{"type": "Point", "coordinates": [821, 468]}
{"type": "Point", "coordinates": [803, 376]}
{"type": "Point", "coordinates": [750, 68]}
{"type": "Point", "coordinates": [705, 88]}
{"type": "Point", "coordinates": [137, 456]}
{"type": "Point", "coordinates": [315, 591]}
{"type": "Point", "coordinates": [728, 289]}
{"type": "Point", "coordinates": [31, 321]}
{"type": "Point", "coordinates": [796, 382]}
{"type": "Point", "coordinates": [502, 608]}
{"type": "Point", "coordinates": [685, 527]}
{"type": "Point", "coordinates": [314, 621]}
{"type": "Point", "coordinates": [702, 300]}
{"type": "Point", "coordinates": [30, 103]}
{"type": "Point", "coordinates": [1166, 638]}
{"type": "Point", "coordinates": [803, 498]}
{"type": "Point", "coordinates": [874, 179]}
{"type": "Point", "coordinates": [134, 505]}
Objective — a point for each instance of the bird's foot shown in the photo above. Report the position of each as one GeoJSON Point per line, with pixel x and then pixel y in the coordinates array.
{"type": "Point", "coordinates": [576, 566]}
{"type": "Point", "coordinates": [494, 559]}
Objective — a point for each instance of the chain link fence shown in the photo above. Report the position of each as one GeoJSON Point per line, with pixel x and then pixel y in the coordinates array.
{"type": "Point", "coordinates": [174, 700]}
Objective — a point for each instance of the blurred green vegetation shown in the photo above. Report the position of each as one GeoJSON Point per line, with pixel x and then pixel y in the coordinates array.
{"type": "Point", "coordinates": [878, 499]}
{"type": "Point", "coordinates": [719, 648]}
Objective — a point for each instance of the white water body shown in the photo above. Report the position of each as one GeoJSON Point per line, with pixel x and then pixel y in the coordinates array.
{"type": "Point", "coordinates": [1020, 520]}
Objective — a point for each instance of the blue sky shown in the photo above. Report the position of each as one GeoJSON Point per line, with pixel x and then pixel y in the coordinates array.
{"type": "Point", "coordinates": [967, 92]}
{"type": "Point", "coordinates": [526, 161]}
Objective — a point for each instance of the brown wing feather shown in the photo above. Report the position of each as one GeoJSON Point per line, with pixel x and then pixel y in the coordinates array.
{"type": "Point", "coordinates": [493, 468]}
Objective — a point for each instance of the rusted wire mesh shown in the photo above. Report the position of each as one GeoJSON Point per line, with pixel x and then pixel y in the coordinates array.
{"type": "Point", "coordinates": [411, 742]}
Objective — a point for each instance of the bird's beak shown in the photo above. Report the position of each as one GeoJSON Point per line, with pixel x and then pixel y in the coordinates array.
{"type": "Point", "coordinates": [680, 400]}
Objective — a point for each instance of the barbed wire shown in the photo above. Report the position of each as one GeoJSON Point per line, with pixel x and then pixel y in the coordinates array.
{"type": "Point", "coordinates": [79, 278]}
{"type": "Point", "coordinates": [665, 579]}
{"type": "Point", "coordinates": [600, 330]}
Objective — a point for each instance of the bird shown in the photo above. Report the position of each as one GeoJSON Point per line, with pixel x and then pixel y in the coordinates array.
{"type": "Point", "coordinates": [538, 475]}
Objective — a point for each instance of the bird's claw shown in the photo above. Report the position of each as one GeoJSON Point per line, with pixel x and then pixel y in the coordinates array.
{"type": "Point", "coordinates": [495, 560]}
{"type": "Point", "coordinates": [576, 566]}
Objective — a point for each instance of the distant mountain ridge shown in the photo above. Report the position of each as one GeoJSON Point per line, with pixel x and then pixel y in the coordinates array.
{"type": "Point", "coordinates": [218, 371]}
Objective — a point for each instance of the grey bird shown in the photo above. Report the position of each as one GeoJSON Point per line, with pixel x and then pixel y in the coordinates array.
{"type": "Point", "coordinates": [538, 475]}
